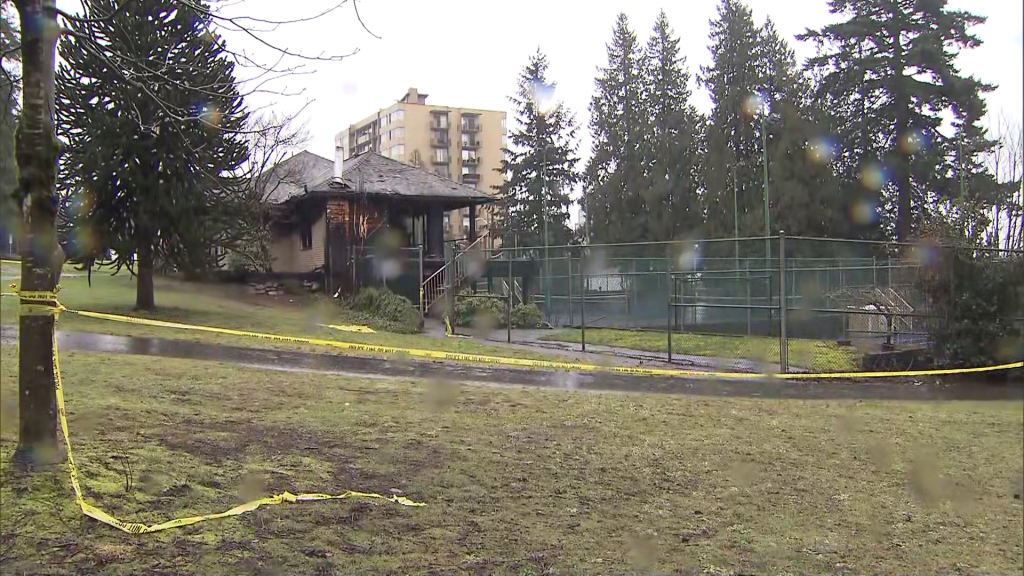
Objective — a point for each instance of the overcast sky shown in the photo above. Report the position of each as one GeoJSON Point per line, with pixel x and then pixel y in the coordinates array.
{"type": "Point", "coordinates": [469, 52]}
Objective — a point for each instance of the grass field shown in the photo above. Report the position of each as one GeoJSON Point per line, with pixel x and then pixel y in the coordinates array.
{"type": "Point", "coordinates": [225, 306]}
{"type": "Point", "coordinates": [816, 355]}
{"type": "Point", "coordinates": [517, 481]}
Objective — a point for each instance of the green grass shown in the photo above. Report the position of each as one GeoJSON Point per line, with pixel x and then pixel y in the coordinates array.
{"type": "Point", "coordinates": [816, 355]}
{"type": "Point", "coordinates": [517, 481]}
{"type": "Point", "coordinates": [227, 306]}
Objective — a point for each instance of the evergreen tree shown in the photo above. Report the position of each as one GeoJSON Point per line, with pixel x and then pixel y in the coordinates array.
{"type": "Point", "coordinates": [9, 87]}
{"type": "Point", "coordinates": [733, 170]}
{"type": "Point", "coordinates": [804, 194]}
{"type": "Point", "coordinates": [153, 137]}
{"type": "Point", "coordinates": [673, 146]}
{"type": "Point", "coordinates": [888, 72]}
{"type": "Point", "coordinates": [615, 177]}
{"type": "Point", "coordinates": [540, 164]}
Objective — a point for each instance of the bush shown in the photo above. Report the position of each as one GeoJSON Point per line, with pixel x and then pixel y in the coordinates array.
{"type": "Point", "coordinates": [382, 309]}
{"type": "Point", "coordinates": [977, 310]}
{"type": "Point", "coordinates": [478, 312]}
{"type": "Point", "coordinates": [526, 316]}
{"type": "Point", "coordinates": [489, 312]}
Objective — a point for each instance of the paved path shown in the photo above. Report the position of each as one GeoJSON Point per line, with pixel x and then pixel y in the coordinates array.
{"type": "Point", "coordinates": [363, 367]}
{"type": "Point", "coordinates": [532, 340]}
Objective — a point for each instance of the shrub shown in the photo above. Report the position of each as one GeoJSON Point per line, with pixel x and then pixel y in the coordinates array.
{"type": "Point", "coordinates": [526, 316]}
{"type": "Point", "coordinates": [489, 312]}
{"type": "Point", "coordinates": [478, 312]}
{"type": "Point", "coordinates": [977, 309]}
{"type": "Point", "coordinates": [382, 309]}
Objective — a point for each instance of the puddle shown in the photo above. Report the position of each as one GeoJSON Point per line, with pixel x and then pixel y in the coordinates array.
{"type": "Point", "coordinates": [363, 367]}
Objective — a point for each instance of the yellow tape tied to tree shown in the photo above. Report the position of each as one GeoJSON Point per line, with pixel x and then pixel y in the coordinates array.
{"type": "Point", "coordinates": [31, 305]}
{"type": "Point", "coordinates": [91, 511]}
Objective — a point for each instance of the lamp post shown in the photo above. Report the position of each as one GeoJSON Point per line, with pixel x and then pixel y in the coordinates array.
{"type": "Point", "coordinates": [543, 101]}
{"type": "Point", "coordinates": [764, 161]}
{"type": "Point", "coordinates": [758, 105]}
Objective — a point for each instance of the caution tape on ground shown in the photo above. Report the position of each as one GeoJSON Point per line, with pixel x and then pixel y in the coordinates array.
{"type": "Point", "coordinates": [36, 303]}
{"type": "Point", "coordinates": [30, 305]}
{"type": "Point", "coordinates": [351, 328]}
{"type": "Point", "coordinates": [531, 363]}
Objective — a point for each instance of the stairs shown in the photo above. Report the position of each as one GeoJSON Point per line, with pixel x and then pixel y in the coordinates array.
{"type": "Point", "coordinates": [452, 275]}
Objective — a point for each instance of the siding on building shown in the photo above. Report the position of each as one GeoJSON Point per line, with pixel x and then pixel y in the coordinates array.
{"type": "Point", "coordinates": [288, 256]}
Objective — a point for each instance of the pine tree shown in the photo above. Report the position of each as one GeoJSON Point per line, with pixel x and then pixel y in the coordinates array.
{"type": "Point", "coordinates": [673, 146]}
{"type": "Point", "coordinates": [804, 194]}
{"type": "Point", "coordinates": [9, 87]}
{"type": "Point", "coordinates": [615, 179]}
{"type": "Point", "coordinates": [888, 72]}
{"type": "Point", "coordinates": [733, 170]}
{"type": "Point", "coordinates": [153, 138]}
{"type": "Point", "coordinates": [540, 164]}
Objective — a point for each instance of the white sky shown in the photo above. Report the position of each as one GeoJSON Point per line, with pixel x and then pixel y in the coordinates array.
{"type": "Point", "coordinates": [470, 52]}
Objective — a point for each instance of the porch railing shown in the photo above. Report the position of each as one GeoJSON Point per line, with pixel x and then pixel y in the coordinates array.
{"type": "Point", "coordinates": [452, 274]}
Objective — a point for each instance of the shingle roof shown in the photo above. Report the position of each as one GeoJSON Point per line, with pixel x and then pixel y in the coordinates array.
{"type": "Point", "coordinates": [371, 174]}
{"type": "Point", "coordinates": [368, 173]}
{"type": "Point", "coordinates": [291, 176]}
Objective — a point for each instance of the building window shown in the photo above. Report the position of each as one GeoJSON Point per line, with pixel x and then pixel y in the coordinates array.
{"type": "Point", "coordinates": [470, 122]}
{"type": "Point", "coordinates": [396, 116]}
{"type": "Point", "coordinates": [306, 236]}
{"type": "Point", "coordinates": [442, 171]}
{"type": "Point", "coordinates": [469, 169]}
{"type": "Point", "coordinates": [440, 121]}
{"type": "Point", "coordinates": [468, 140]}
{"type": "Point", "coordinates": [396, 133]}
{"type": "Point", "coordinates": [397, 151]}
{"type": "Point", "coordinates": [440, 155]}
{"type": "Point", "coordinates": [469, 155]}
{"type": "Point", "coordinates": [503, 129]}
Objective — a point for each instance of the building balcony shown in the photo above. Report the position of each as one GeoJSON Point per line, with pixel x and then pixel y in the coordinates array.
{"type": "Point", "coordinates": [440, 161]}
{"type": "Point", "coordinates": [471, 143]}
{"type": "Point", "coordinates": [471, 127]}
{"type": "Point", "coordinates": [470, 161]}
{"type": "Point", "coordinates": [436, 142]}
{"type": "Point", "coordinates": [471, 179]}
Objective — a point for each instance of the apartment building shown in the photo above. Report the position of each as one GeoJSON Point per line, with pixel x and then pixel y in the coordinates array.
{"type": "Point", "coordinates": [462, 144]}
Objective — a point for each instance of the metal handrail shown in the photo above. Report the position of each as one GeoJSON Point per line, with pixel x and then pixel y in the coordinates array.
{"type": "Point", "coordinates": [434, 287]}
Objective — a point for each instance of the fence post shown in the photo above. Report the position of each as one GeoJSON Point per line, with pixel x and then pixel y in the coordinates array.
{"type": "Point", "coordinates": [746, 266]}
{"type": "Point", "coordinates": [570, 289]}
{"type": "Point", "coordinates": [583, 305]}
{"type": "Point", "coordinates": [511, 293]}
{"type": "Point", "coordinates": [670, 288]}
{"type": "Point", "coordinates": [783, 304]}
{"type": "Point", "coordinates": [423, 312]}
{"type": "Point", "coordinates": [874, 273]}
{"type": "Point", "coordinates": [449, 296]}
{"type": "Point", "coordinates": [632, 292]}
{"type": "Point", "coordinates": [682, 296]}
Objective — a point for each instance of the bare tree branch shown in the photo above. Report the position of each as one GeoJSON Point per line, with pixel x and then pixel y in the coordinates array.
{"type": "Point", "coordinates": [117, 9]}
{"type": "Point", "coordinates": [355, 4]}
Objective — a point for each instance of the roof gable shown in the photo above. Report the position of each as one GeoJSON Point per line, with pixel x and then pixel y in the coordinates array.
{"type": "Point", "coordinates": [373, 174]}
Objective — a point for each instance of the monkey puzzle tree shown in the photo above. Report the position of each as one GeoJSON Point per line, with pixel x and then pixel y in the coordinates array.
{"type": "Point", "coordinates": [153, 169]}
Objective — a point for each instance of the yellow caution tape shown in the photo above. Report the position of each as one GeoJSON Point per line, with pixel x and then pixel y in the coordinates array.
{"type": "Point", "coordinates": [139, 528]}
{"type": "Point", "coordinates": [15, 262]}
{"type": "Point", "coordinates": [529, 363]}
{"type": "Point", "coordinates": [351, 328]}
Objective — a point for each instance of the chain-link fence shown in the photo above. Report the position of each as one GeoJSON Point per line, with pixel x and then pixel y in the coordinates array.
{"type": "Point", "coordinates": [802, 304]}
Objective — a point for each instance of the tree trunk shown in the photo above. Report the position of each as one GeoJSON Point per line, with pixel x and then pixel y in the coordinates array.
{"type": "Point", "coordinates": [144, 299]}
{"type": "Point", "coordinates": [37, 150]}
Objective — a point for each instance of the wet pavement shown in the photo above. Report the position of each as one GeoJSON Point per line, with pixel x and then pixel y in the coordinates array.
{"type": "Point", "coordinates": [364, 367]}
{"type": "Point", "coordinates": [532, 340]}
